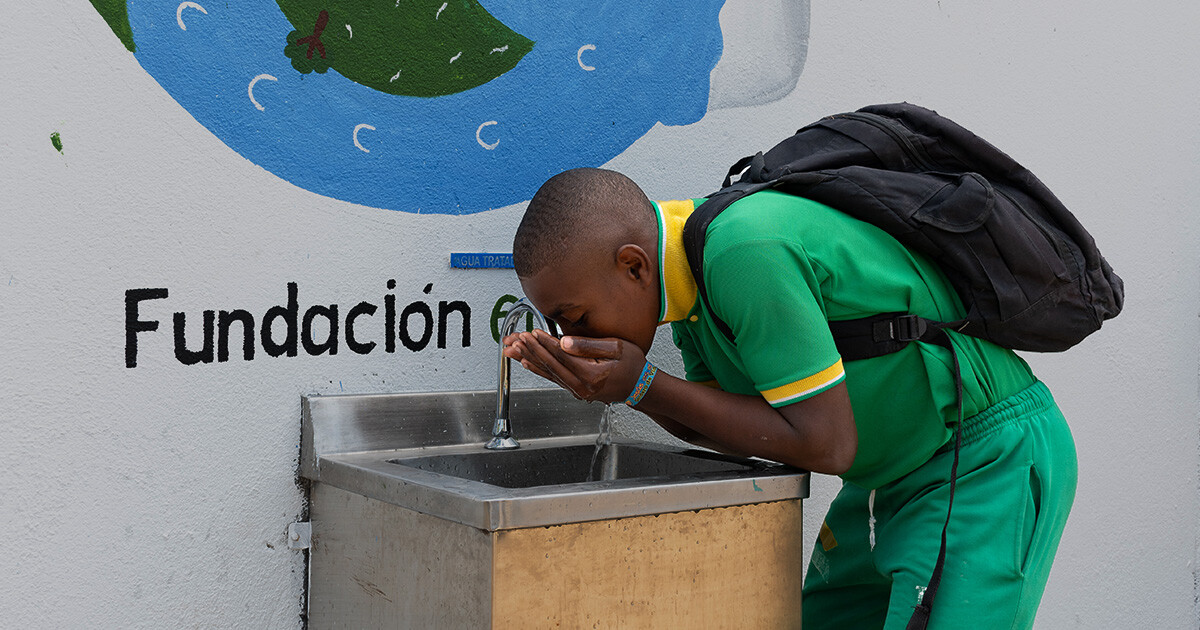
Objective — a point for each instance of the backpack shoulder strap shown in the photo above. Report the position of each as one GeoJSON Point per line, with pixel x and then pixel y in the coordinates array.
{"type": "Point", "coordinates": [855, 339]}
{"type": "Point", "coordinates": [695, 232]}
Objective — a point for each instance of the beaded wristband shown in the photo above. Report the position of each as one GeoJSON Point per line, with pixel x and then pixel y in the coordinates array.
{"type": "Point", "coordinates": [643, 384]}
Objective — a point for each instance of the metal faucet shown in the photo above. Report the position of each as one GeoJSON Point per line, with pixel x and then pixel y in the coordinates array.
{"type": "Point", "coordinates": [502, 438]}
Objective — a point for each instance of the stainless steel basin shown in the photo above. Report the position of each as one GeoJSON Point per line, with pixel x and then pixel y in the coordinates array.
{"type": "Point", "coordinates": [578, 463]}
{"type": "Point", "coordinates": [424, 452]}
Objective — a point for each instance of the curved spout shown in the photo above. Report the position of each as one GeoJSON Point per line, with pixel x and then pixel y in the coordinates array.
{"type": "Point", "coordinates": [501, 429]}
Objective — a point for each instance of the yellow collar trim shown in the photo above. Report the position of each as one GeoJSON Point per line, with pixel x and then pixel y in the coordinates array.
{"type": "Point", "coordinates": [678, 286]}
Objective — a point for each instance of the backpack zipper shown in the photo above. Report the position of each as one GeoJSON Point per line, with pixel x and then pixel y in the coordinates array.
{"type": "Point", "coordinates": [889, 127]}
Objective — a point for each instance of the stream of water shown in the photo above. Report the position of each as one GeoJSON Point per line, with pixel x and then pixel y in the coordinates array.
{"type": "Point", "coordinates": [603, 440]}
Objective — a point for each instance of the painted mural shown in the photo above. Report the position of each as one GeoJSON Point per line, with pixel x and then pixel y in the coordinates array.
{"type": "Point", "coordinates": [428, 106]}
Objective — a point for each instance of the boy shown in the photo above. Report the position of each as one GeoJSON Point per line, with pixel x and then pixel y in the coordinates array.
{"type": "Point", "coordinates": [608, 266]}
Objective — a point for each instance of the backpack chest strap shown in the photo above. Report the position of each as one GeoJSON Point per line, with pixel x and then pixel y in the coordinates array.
{"type": "Point", "coordinates": [885, 333]}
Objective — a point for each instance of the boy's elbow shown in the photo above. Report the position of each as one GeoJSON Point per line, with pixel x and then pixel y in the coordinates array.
{"type": "Point", "coordinates": [826, 430]}
{"type": "Point", "coordinates": [838, 453]}
{"type": "Point", "coordinates": [842, 457]}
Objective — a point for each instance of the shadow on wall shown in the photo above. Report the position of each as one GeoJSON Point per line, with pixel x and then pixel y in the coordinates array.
{"type": "Point", "coordinates": [435, 106]}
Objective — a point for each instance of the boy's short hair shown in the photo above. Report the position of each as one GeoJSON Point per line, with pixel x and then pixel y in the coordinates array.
{"type": "Point", "coordinates": [575, 208]}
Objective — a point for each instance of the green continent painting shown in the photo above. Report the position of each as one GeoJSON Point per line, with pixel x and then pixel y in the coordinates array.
{"type": "Point", "coordinates": [412, 48]}
{"type": "Point", "coordinates": [114, 12]}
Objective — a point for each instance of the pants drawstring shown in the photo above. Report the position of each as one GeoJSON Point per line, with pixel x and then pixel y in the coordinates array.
{"type": "Point", "coordinates": [871, 518]}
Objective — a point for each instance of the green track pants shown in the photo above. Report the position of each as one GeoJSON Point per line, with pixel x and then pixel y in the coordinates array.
{"type": "Point", "coordinates": [1016, 482]}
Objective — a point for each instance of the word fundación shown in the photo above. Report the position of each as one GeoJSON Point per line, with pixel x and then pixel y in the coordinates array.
{"type": "Point", "coordinates": [284, 329]}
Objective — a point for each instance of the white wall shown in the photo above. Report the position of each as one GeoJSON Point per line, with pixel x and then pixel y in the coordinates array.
{"type": "Point", "coordinates": [159, 496]}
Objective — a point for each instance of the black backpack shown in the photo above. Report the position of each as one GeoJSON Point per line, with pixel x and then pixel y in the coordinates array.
{"type": "Point", "coordinates": [1028, 273]}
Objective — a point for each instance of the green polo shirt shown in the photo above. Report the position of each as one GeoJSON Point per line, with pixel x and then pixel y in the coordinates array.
{"type": "Point", "coordinates": [777, 268]}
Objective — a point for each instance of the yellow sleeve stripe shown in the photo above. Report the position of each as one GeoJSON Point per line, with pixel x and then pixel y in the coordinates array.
{"type": "Point", "coordinates": [806, 386]}
{"type": "Point", "coordinates": [713, 384]}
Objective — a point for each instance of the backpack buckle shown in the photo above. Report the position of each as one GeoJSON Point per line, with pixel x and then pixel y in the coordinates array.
{"type": "Point", "coordinates": [902, 328]}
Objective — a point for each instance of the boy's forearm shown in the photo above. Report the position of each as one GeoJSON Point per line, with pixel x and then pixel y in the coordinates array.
{"type": "Point", "coordinates": [817, 433]}
{"type": "Point", "coordinates": [689, 435]}
{"type": "Point", "coordinates": [814, 436]}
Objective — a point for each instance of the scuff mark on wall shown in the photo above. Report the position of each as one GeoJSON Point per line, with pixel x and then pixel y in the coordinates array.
{"type": "Point", "coordinates": [764, 68]}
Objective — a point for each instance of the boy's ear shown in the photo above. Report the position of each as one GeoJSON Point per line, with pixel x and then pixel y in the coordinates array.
{"type": "Point", "coordinates": [634, 263]}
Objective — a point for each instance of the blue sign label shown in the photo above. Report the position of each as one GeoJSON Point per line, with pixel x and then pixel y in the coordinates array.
{"type": "Point", "coordinates": [481, 261]}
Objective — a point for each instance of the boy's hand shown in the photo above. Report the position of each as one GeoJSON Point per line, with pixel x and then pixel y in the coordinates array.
{"type": "Point", "coordinates": [591, 369]}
